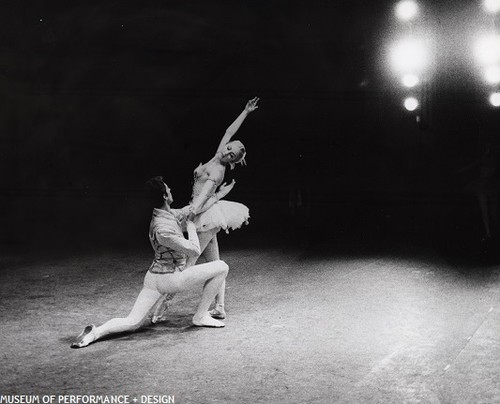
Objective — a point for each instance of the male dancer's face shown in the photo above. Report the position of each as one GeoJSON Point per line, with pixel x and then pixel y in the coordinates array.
{"type": "Point", "coordinates": [168, 195]}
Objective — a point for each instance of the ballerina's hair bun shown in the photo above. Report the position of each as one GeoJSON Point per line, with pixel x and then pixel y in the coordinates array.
{"type": "Point", "coordinates": [240, 154]}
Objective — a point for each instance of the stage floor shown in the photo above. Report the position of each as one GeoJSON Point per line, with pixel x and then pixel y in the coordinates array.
{"type": "Point", "coordinates": [304, 324]}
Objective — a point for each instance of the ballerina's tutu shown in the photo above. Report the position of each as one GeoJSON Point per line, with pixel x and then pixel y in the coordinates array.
{"type": "Point", "coordinates": [224, 214]}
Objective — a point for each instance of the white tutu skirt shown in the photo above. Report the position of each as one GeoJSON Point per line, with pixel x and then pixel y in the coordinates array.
{"type": "Point", "coordinates": [226, 215]}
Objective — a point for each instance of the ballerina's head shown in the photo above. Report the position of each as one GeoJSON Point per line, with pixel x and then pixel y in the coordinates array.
{"type": "Point", "coordinates": [233, 153]}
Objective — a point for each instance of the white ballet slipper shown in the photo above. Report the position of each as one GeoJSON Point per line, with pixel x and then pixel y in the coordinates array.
{"type": "Point", "coordinates": [86, 337]}
{"type": "Point", "coordinates": [208, 321]}
{"type": "Point", "coordinates": [218, 312]}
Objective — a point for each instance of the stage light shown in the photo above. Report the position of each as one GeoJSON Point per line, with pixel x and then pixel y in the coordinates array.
{"type": "Point", "coordinates": [495, 99]}
{"type": "Point", "coordinates": [406, 10]}
{"type": "Point", "coordinates": [492, 6]}
{"type": "Point", "coordinates": [411, 103]}
{"type": "Point", "coordinates": [410, 80]}
{"type": "Point", "coordinates": [409, 55]}
{"type": "Point", "coordinates": [492, 75]}
{"type": "Point", "coordinates": [487, 50]}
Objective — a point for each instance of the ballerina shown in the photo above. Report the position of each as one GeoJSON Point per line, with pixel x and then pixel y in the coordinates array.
{"type": "Point", "coordinates": [223, 214]}
{"type": "Point", "coordinates": [212, 216]}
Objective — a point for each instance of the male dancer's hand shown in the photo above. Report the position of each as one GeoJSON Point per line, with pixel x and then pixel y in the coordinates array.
{"type": "Point", "coordinates": [190, 214]}
{"type": "Point", "coordinates": [187, 213]}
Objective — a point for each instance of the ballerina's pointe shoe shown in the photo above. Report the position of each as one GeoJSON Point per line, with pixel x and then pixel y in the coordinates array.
{"type": "Point", "coordinates": [159, 318]}
{"type": "Point", "coordinates": [218, 313]}
{"type": "Point", "coordinates": [207, 321]}
{"type": "Point", "coordinates": [160, 315]}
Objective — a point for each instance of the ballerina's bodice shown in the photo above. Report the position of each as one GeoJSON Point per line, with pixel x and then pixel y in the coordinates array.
{"type": "Point", "coordinates": [222, 214]}
{"type": "Point", "coordinates": [207, 172]}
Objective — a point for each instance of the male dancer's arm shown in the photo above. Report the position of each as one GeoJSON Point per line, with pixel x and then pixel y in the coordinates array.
{"type": "Point", "coordinates": [189, 246]}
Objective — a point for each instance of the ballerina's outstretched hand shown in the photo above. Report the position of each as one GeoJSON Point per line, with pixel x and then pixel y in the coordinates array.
{"type": "Point", "coordinates": [252, 105]}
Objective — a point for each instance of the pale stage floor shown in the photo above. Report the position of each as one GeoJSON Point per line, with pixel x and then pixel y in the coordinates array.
{"type": "Point", "coordinates": [305, 324]}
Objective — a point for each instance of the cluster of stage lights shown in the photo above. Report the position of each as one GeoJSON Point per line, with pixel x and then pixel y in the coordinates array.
{"type": "Point", "coordinates": [411, 57]}
{"type": "Point", "coordinates": [487, 53]}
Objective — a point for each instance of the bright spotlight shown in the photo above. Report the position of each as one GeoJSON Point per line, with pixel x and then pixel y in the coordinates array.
{"type": "Point", "coordinates": [488, 50]}
{"type": "Point", "coordinates": [410, 80]}
{"type": "Point", "coordinates": [409, 55]}
{"type": "Point", "coordinates": [411, 103]}
{"type": "Point", "coordinates": [492, 75]}
{"type": "Point", "coordinates": [492, 6]}
{"type": "Point", "coordinates": [406, 10]}
{"type": "Point", "coordinates": [495, 99]}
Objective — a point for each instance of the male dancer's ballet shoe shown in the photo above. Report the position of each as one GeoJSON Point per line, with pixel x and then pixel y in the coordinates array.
{"type": "Point", "coordinates": [218, 313]}
{"type": "Point", "coordinates": [86, 337]}
{"type": "Point", "coordinates": [208, 321]}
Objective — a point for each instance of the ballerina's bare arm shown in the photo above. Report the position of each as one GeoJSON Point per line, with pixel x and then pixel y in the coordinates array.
{"type": "Point", "coordinates": [233, 128]}
{"type": "Point", "coordinates": [224, 189]}
{"type": "Point", "coordinates": [207, 191]}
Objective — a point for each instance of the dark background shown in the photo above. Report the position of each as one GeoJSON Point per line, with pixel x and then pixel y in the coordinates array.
{"type": "Point", "coordinates": [97, 97]}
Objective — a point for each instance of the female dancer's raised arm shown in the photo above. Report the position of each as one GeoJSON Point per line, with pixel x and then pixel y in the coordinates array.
{"type": "Point", "coordinates": [233, 128]}
{"type": "Point", "coordinates": [209, 176]}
